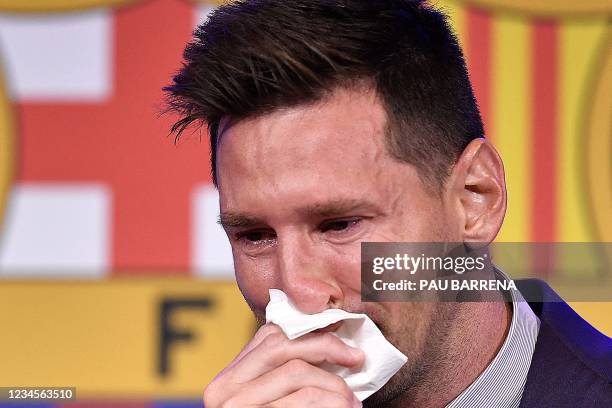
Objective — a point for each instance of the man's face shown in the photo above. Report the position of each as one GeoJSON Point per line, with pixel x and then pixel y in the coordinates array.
{"type": "Point", "coordinates": [301, 188]}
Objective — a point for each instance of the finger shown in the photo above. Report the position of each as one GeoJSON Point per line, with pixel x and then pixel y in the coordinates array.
{"type": "Point", "coordinates": [289, 378]}
{"type": "Point", "coordinates": [314, 397]}
{"type": "Point", "coordinates": [315, 348]}
{"type": "Point", "coordinates": [222, 386]}
{"type": "Point", "coordinates": [263, 332]}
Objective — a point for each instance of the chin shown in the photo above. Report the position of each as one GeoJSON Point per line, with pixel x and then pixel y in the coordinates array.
{"type": "Point", "coordinates": [388, 393]}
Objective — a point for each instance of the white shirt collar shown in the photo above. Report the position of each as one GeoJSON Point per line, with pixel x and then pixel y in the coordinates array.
{"type": "Point", "coordinates": [501, 384]}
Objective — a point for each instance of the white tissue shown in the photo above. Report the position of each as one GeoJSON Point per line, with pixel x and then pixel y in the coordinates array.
{"type": "Point", "coordinates": [382, 359]}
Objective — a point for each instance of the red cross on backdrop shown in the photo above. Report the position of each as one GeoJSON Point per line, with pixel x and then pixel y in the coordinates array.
{"type": "Point", "coordinates": [122, 143]}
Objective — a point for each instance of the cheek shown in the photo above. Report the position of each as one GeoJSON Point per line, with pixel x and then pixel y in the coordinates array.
{"type": "Point", "coordinates": [254, 278]}
{"type": "Point", "coordinates": [341, 267]}
{"type": "Point", "coordinates": [345, 266]}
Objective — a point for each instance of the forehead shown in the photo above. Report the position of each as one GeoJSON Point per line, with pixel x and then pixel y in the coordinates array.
{"type": "Point", "coordinates": [332, 146]}
{"type": "Point", "coordinates": [344, 114]}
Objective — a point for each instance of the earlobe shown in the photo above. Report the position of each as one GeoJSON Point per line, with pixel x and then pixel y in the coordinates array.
{"type": "Point", "coordinates": [481, 191]}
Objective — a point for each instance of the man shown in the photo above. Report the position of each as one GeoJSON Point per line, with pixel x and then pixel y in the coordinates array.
{"type": "Point", "coordinates": [336, 122]}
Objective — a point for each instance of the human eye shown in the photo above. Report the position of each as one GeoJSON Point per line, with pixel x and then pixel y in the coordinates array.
{"type": "Point", "coordinates": [255, 239]}
{"type": "Point", "coordinates": [339, 226]}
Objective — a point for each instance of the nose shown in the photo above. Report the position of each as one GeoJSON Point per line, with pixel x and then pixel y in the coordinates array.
{"type": "Point", "coordinates": [307, 276]}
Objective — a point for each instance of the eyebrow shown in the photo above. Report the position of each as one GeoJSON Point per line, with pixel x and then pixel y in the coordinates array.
{"type": "Point", "coordinates": [332, 208]}
{"type": "Point", "coordinates": [236, 220]}
{"type": "Point", "coordinates": [335, 208]}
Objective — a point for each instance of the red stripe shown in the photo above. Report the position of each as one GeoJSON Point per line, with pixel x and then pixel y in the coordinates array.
{"type": "Point", "coordinates": [478, 52]}
{"type": "Point", "coordinates": [544, 131]}
{"type": "Point", "coordinates": [152, 206]}
{"type": "Point", "coordinates": [122, 143]}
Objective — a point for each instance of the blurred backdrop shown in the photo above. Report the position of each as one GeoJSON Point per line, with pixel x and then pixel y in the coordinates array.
{"type": "Point", "coordinates": [114, 276]}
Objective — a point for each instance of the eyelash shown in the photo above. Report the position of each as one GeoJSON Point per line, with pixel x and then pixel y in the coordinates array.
{"type": "Point", "coordinates": [325, 227]}
{"type": "Point", "coordinates": [241, 236]}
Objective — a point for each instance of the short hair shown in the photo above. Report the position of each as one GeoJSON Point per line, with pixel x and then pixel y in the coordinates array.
{"type": "Point", "coordinates": [252, 57]}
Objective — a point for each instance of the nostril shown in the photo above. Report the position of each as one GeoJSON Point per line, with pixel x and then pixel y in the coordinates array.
{"type": "Point", "coordinates": [335, 302]}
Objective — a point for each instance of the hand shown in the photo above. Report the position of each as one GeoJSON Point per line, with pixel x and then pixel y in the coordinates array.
{"type": "Point", "coordinates": [273, 371]}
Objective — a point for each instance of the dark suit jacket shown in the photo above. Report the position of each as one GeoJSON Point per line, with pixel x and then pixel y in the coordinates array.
{"type": "Point", "coordinates": [572, 361]}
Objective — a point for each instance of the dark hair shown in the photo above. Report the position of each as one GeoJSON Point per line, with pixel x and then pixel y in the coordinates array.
{"type": "Point", "coordinates": [254, 56]}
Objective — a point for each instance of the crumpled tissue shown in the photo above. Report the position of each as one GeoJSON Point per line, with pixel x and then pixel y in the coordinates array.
{"type": "Point", "coordinates": [382, 359]}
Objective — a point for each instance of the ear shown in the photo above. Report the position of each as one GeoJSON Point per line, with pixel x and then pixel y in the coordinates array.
{"type": "Point", "coordinates": [478, 192]}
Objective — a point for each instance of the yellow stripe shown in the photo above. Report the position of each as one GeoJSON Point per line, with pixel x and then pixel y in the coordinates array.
{"type": "Point", "coordinates": [579, 41]}
{"type": "Point", "coordinates": [599, 150]}
{"type": "Point", "coordinates": [38, 6]}
{"type": "Point", "coordinates": [7, 148]}
{"type": "Point", "coordinates": [52, 6]}
{"type": "Point", "coordinates": [511, 106]}
{"type": "Point", "coordinates": [104, 337]}
{"type": "Point", "coordinates": [545, 8]}
{"type": "Point", "coordinates": [579, 46]}
{"type": "Point", "coordinates": [596, 313]}
{"type": "Point", "coordinates": [210, 2]}
{"type": "Point", "coordinates": [456, 12]}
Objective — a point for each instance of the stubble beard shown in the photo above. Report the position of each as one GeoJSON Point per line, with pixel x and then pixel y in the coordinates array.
{"type": "Point", "coordinates": [425, 347]}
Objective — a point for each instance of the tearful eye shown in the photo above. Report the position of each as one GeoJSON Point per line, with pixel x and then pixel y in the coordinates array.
{"type": "Point", "coordinates": [254, 237]}
{"type": "Point", "coordinates": [254, 242]}
{"type": "Point", "coordinates": [339, 225]}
